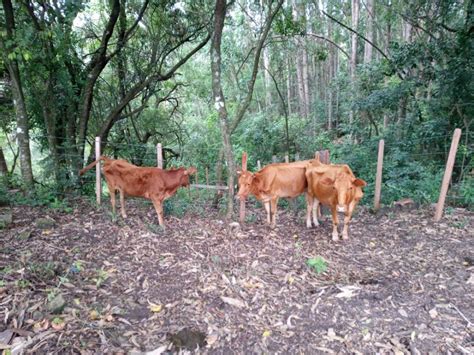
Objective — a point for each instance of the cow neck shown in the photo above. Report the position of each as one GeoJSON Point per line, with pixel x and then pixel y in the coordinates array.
{"type": "Point", "coordinates": [172, 177]}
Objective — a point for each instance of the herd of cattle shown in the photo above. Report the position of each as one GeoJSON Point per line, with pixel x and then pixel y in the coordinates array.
{"type": "Point", "coordinates": [333, 185]}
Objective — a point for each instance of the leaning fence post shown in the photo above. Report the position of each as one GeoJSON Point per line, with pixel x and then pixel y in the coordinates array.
{"type": "Point", "coordinates": [447, 174]}
{"type": "Point", "coordinates": [326, 156]}
{"type": "Point", "coordinates": [242, 199]}
{"type": "Point", "coordinates": [378, 178]}
{"type": "Point", "coordinates": [98, 183]}
{"type": "Point", "coordinates": [159, 155]}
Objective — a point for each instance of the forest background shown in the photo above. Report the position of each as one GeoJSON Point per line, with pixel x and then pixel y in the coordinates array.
{"type": "Point", "coordinates": [209, 80]}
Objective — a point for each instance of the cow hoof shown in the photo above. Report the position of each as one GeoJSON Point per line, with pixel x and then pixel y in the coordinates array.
{"type": "Point", "coordinates": [335, 237]}
{"type": "Point", "coordinates": [345, 236]}
{"type": "Point", "coordinates": [124, 216]}
{"type": "Point", "coordinates": [308, 225]}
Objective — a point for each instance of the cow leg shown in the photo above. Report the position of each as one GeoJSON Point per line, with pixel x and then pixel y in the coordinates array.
{"type": "Point", "coordinates": [122, 203]}
{"type": "Point", "coordinates": [112, 200]}
{"type": "Point", "coordinates": [347, 219]}
{"type": "Point", "coordinates": [316, 212]}
{"type": "Point", "coordinates": [335, 222]}
{"type": "Point", "coordinates": [267, 209]}
{"type": "Point", "coordinates": [309, 207]}
{"type": "Point", "coordinates": [273, 210]}
{"type": "Point", "coordinates": [159, 211]}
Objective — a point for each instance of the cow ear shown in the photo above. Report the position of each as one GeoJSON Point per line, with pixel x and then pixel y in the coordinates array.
{"type": "Point", "coordinates": [359, 182]}
{"type": "Point", "coordinates": [327, 181]}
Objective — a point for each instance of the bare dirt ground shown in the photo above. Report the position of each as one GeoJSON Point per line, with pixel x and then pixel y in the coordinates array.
{"type": "Point", "coordinates": [82, 283]}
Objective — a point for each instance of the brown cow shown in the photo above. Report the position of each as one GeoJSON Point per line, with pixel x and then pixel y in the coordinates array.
{"type": "Point", "coordinates": [153, 183]}
{"type": "Point", "coordinates": [336, 186]}
{"type": "Point", "coordinates": [273, 182]}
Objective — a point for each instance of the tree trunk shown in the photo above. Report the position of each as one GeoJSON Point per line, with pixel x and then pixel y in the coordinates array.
{"type": "Point", "coordinates": [332, 72]}
{"type": "Point", "coordinates": [219, 100]}
{"type": "Point", "coordinates": [353, 60]}
{"type": "Point", "coordinates": [300, 80]}
{"type": "Point", "coordinates": [3, 164]}
{"type": "Point", "coordinates": [369, 31]}
{"type": "Point", "coordinates": [288, 86]}
{"type": "Point", "coordinates": [307, 95]}
{"type": "Point", "coordinates": [22, 129]}
{"type": "Point", "coordinates": [95, 67]}
{"type": "Point", "coordinates": [268, 83]}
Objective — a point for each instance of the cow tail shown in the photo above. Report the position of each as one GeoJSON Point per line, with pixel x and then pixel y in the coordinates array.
{"type": "Point", "coordinates": [91, 165]}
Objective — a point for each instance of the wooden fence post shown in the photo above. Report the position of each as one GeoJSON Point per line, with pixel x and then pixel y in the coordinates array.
{"type": "Point", "coordinates": [297, 156]}
{"type": "Point", "coordinates": [287, 159]}
{"type": "Point", "coordinates": [98, 183]}
{"type": "Point", "coordinates": [242, 200]}
{"type": "Point", "coordinates": [274, 159]}
{"type": "Point", "coordinates": [159, 155]}
{"type": "Point", "coordinates": [378, 178]}
{"type": "Point", "coordinates": [207, 176]}
{"type": "Point", "coordinates": [197, 183]}
{"type": "Point", "coordinates": [326, 156]}
{"type": "Point", "coordinates": [259, 166]}
{"type": "Point", "coordinates": [447, 174]}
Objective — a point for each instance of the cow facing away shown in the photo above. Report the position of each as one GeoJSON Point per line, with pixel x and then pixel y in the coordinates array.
{"type": "Point", "coordinates": [273, 182]}
{"type": "Point", "coordinates": [336, 186]}
{"type": "Point", "coordinates": [152, 183]}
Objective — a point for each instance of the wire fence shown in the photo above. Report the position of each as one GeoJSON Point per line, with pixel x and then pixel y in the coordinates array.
{"type": "Point", "coordinates": [412, 167]}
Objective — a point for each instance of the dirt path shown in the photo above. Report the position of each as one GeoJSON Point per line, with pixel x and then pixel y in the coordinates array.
{"type": "Point", "coordinates": [401, 283]}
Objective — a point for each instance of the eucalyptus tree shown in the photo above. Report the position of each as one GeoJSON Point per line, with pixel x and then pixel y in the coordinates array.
{"type": "Point", "coordinates": [226, 125]}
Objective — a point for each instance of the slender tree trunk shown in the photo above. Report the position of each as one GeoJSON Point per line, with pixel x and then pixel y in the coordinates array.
{"type": "Point", "coordinates": [300, 80]}
{"type": "Point", "coordinates": [369, 31]}
{"type": "Point", "coordinates": [330, 89]}
{"type": "Point", "coordinates": [353, 61]}
{"type": "Point", "coordinates": [268, 82]}
{"type": "Point", "coordinates": [307, 94]}
{"type": "Point", "coordinates": [3, 164]}
{"type": "Point", "coordinates": [288, 86]}
{"type": "Point", "coordinates": [22, 129]}
{"type": "Point", "coordinates": [219, 176]}
{"type": "Point", "coordinates": [219, 100]}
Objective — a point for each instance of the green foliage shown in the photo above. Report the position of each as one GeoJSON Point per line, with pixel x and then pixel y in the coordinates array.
{"type": "Point", "coordinates": [317, 264]}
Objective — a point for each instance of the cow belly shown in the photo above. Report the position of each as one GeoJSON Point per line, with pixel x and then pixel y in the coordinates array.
{"type": "Point", "coordinates": [289, 193]}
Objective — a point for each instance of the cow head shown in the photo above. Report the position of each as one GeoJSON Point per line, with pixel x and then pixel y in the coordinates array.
{"type": "Point", "coordinates": [347, 187]}
{"type": "Point", "coordinates": [184, 180]}
{"type": "Point", "coordinates": [246, 179]}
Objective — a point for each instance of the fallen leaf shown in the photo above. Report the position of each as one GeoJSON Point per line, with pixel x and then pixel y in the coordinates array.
{"type": "Point", "coordinates": [433, 313]}
{"type": "Point", "coordinates": [233, 302]}
{"type": "Point", "coordinates": [347, 291]}
{"type": "Point", "coordinates": [266, 333]}
{"type": "Point", "coordinates": [41, 326]}
{"type": "Point", "coordinates": [403, 313]}
{"type": "Point", "coordinates": [211, 339]}
{"type": "Point", "coordinates": [94, 315]}
{"type": "Point", "coordinates": [155, 308]}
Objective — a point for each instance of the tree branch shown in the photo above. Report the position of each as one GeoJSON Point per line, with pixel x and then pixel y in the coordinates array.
{"type": "Point", "coordinates": [357, 33]}
{"type": "Point", "coordinates": [246, 102]}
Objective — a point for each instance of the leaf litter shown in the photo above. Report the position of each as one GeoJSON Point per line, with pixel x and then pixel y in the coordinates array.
{"type": "Point", "coordinates": [400, 284]}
